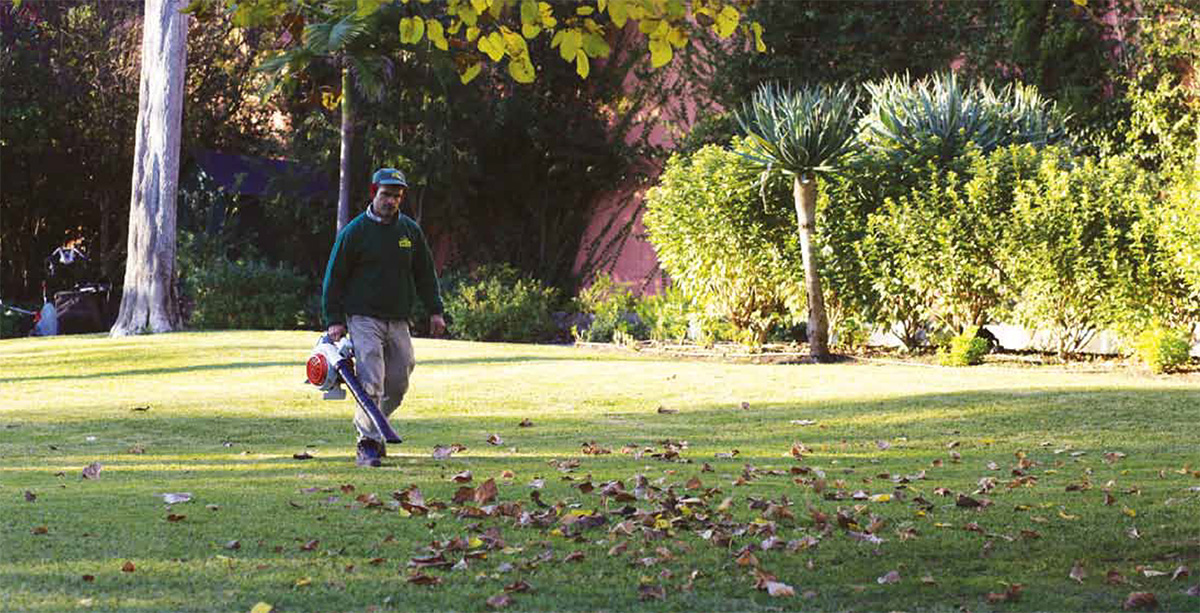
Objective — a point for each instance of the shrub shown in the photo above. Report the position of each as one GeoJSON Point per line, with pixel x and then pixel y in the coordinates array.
{"type": "Point", "coordinates": [666, 315]}
{"type": "Point", "coordinates": [1075, 251]}
{"type": "Point", "coordinates": [497, 303]}
{"type": "Point", "coordinates": [728, 241]}
{"type": "Point", "coordinates": [248, 294]}
{"type": "Point", "coordinates": [1180, 223]}
{"type": "Point", "coordinates": [14, 324]}
{"type": "Point", "coordinates": [945, 237]}
{"type": "Point", "coordinates": [1163, 349]}
{"type": "Point", "coordinates": [966, 349]}
{"type": "Point", "coordinates": [614, 310]}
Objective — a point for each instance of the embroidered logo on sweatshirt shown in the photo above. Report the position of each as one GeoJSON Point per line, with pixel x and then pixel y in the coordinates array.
{"type": "Point", "coordinates": [405, 243]}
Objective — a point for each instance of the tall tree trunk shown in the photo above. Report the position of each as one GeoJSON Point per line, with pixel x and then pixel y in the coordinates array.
{"type": "Point", "coordinates": [149, 302]}
{"type": "Point", "coordinates": [346, 169]}
{"type": "Point", "coordinates": [805, 193]}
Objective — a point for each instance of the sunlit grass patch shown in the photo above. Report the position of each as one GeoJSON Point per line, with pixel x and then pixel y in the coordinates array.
{"type": "Point", "coordinates": [1067, 468]}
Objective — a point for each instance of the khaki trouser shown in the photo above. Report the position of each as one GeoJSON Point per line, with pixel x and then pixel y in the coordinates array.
{"type": "Point", "coordinates": [383, 361]}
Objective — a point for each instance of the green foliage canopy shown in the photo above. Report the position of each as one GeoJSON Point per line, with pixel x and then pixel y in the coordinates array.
{"type": "Point", "coordinates": [738, 259]}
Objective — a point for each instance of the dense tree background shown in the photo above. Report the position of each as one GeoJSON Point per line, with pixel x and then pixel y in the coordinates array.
{"type": "Point", "coordinates": [508, 171]}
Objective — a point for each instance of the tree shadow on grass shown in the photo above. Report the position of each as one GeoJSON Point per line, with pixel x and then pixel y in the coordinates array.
{"type": "Point", "coordinates": [1159, 421]}
{"type": "Point", "coordinates": [137, 372]}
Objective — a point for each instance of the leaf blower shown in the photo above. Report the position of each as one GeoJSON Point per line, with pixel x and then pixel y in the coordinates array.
{"type": "Point", "coordinates": [332, 364]}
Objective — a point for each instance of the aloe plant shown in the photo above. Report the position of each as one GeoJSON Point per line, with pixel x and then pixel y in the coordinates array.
{"type": "Point", "coordinates": [803, 133]}
{"type": "Point", "coordinates": [935, 117]}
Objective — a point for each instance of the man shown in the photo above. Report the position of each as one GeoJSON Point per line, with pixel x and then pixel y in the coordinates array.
{"type": "Point", "coordinates": [379, 266]}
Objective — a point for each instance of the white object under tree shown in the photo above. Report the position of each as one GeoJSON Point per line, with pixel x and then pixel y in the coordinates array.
{"type": "Point", "coordinates": [149, 303]}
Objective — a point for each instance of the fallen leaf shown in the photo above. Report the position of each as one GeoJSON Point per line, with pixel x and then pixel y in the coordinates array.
{"type": "Point", "coordinates": [303, 455]}
{"type": "Point", "coordinates": [1012, 594]}
{"type": "Point", "coordinates": [1133, 533]}
{"type": "Point", "coordinates": [435, 562]}
{"type": "Point", "coordinates": [1114, 577]}
{"type": "Point", "coordinates": [780, 590]}
{"type": "Point", "coordinates": [518, 587]}
{"type": "Point", "coordinates": [1194, 590]}
{"type": "Point", "coordinates": [890, 577]}
{"type": "Point", "coordinates": [574, 556]}
{"type": "Point", "coordinates": [508, 474]}
{"type": "Point", "coordinates": [1181, 571]}
{"type": "Point", "coordinates": [525, 423]}
{"type": "Point", "coordinates": [1140, 600]}
{"type": "Point", "coordinates": [136, 450]}
{"type": "Point", "coordinates": [92, 471]}
{"type": "Point", "coordinates": [499, 601]}
{"type": "Point", "coordinates": [262, 607]}
{"type": "Point", "coordinates": [41, 530]}
{"type": "Point", "coordinates": [88, 578]}
{"type": "Point", "coordinates": [747, 559]}
{"type": "Point", "coordinates": [745, 405]}
{"type": "Point", "coordinates": [651, 592]}
{"type": "Point", "coordinates": [486, 492]}
{"type": "Point", "coordinates": [928, 580]}
{"type": "Point", "coordinates": [1151, 573]}
{"type": "Point", "coordinates": [145, 408]}
{"type": "Point", "coordinates": [462, 477]}
{"type": "Point", "coordinates": [419, 578]}
{"type": "Point", "coordinates": [494, 439]}
{"type": "Point", "coordinates": [665, 411]}
{"type": "Point", "coordinates": [883, 445]}
{"type": "Point", "coordinates": [234, 544]}
{"type": "Point", "coordinates": [798, 451]}
{"type": "Point", "coordinates": [1077, 573]}
{"type": "Point", "coordinates": [865, 536]}
{"type": "Point", "coordinates": [177, 498]}
{"type": "Point", "coordinates": [176, 518]}
{"type": "Point", "coordinates": [30, 496]}
{"type": "Point", "coordinates": [966, 501]}
{"type": "Point", "coordinates": [310, 545]}
{"type": "Point", "coordinates": [441, 452]}
{"type": "Point", "coordinates": [303, 582]}
{"type": "Point", "coordinates": [128, 567]}
{"type": "Point", "coordinates": [803, 422]}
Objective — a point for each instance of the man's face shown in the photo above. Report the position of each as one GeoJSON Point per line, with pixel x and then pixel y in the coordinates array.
{"type": "Point", "coordinates": [387, 200]}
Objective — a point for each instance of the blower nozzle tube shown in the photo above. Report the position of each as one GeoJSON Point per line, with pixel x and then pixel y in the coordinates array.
{"type": "Point", "coordinates": [345, 370]}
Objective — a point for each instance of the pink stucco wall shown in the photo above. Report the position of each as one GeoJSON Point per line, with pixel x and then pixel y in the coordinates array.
{"type": "Point", "coordinates": [636, 264]}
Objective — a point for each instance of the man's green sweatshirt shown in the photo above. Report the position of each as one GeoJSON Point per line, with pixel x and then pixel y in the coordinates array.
{"type": "Point", "coordinates": [379, 269]}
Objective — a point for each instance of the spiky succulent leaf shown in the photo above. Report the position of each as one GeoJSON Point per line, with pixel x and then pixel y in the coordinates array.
{"type": "Point", "coordinates": [937, 116]}
{"type": "Point", "coordinates": [799, 131]}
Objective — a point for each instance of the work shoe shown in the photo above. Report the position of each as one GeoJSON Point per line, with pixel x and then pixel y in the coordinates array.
{"type": "Point", "coordinates": [369, 452]}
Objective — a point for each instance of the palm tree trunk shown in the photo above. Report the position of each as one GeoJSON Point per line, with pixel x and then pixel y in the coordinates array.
{"type": "Point", "coordinates": [804, 191]}
{"type": "Point", "coordinates": [345, 168]}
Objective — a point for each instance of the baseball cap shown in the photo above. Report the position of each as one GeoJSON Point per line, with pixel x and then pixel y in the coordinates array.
{"type": "Point", "coordinates": [389, 176]}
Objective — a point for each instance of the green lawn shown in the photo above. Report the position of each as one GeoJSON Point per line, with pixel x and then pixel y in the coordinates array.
{"type": "Point", "coordinates": [1096, 472]}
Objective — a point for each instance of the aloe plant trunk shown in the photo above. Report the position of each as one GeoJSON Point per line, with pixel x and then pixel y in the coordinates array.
{"type": "Point", "coordinates": [345, 168]}
{"type": "Point", "coordinates": [804, 190]}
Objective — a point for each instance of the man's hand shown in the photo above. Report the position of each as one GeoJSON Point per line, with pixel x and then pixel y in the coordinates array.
{"type": "Point", "coordinates": [437, 325]}
{"type": "Point", "coordinates": [336, 332]}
